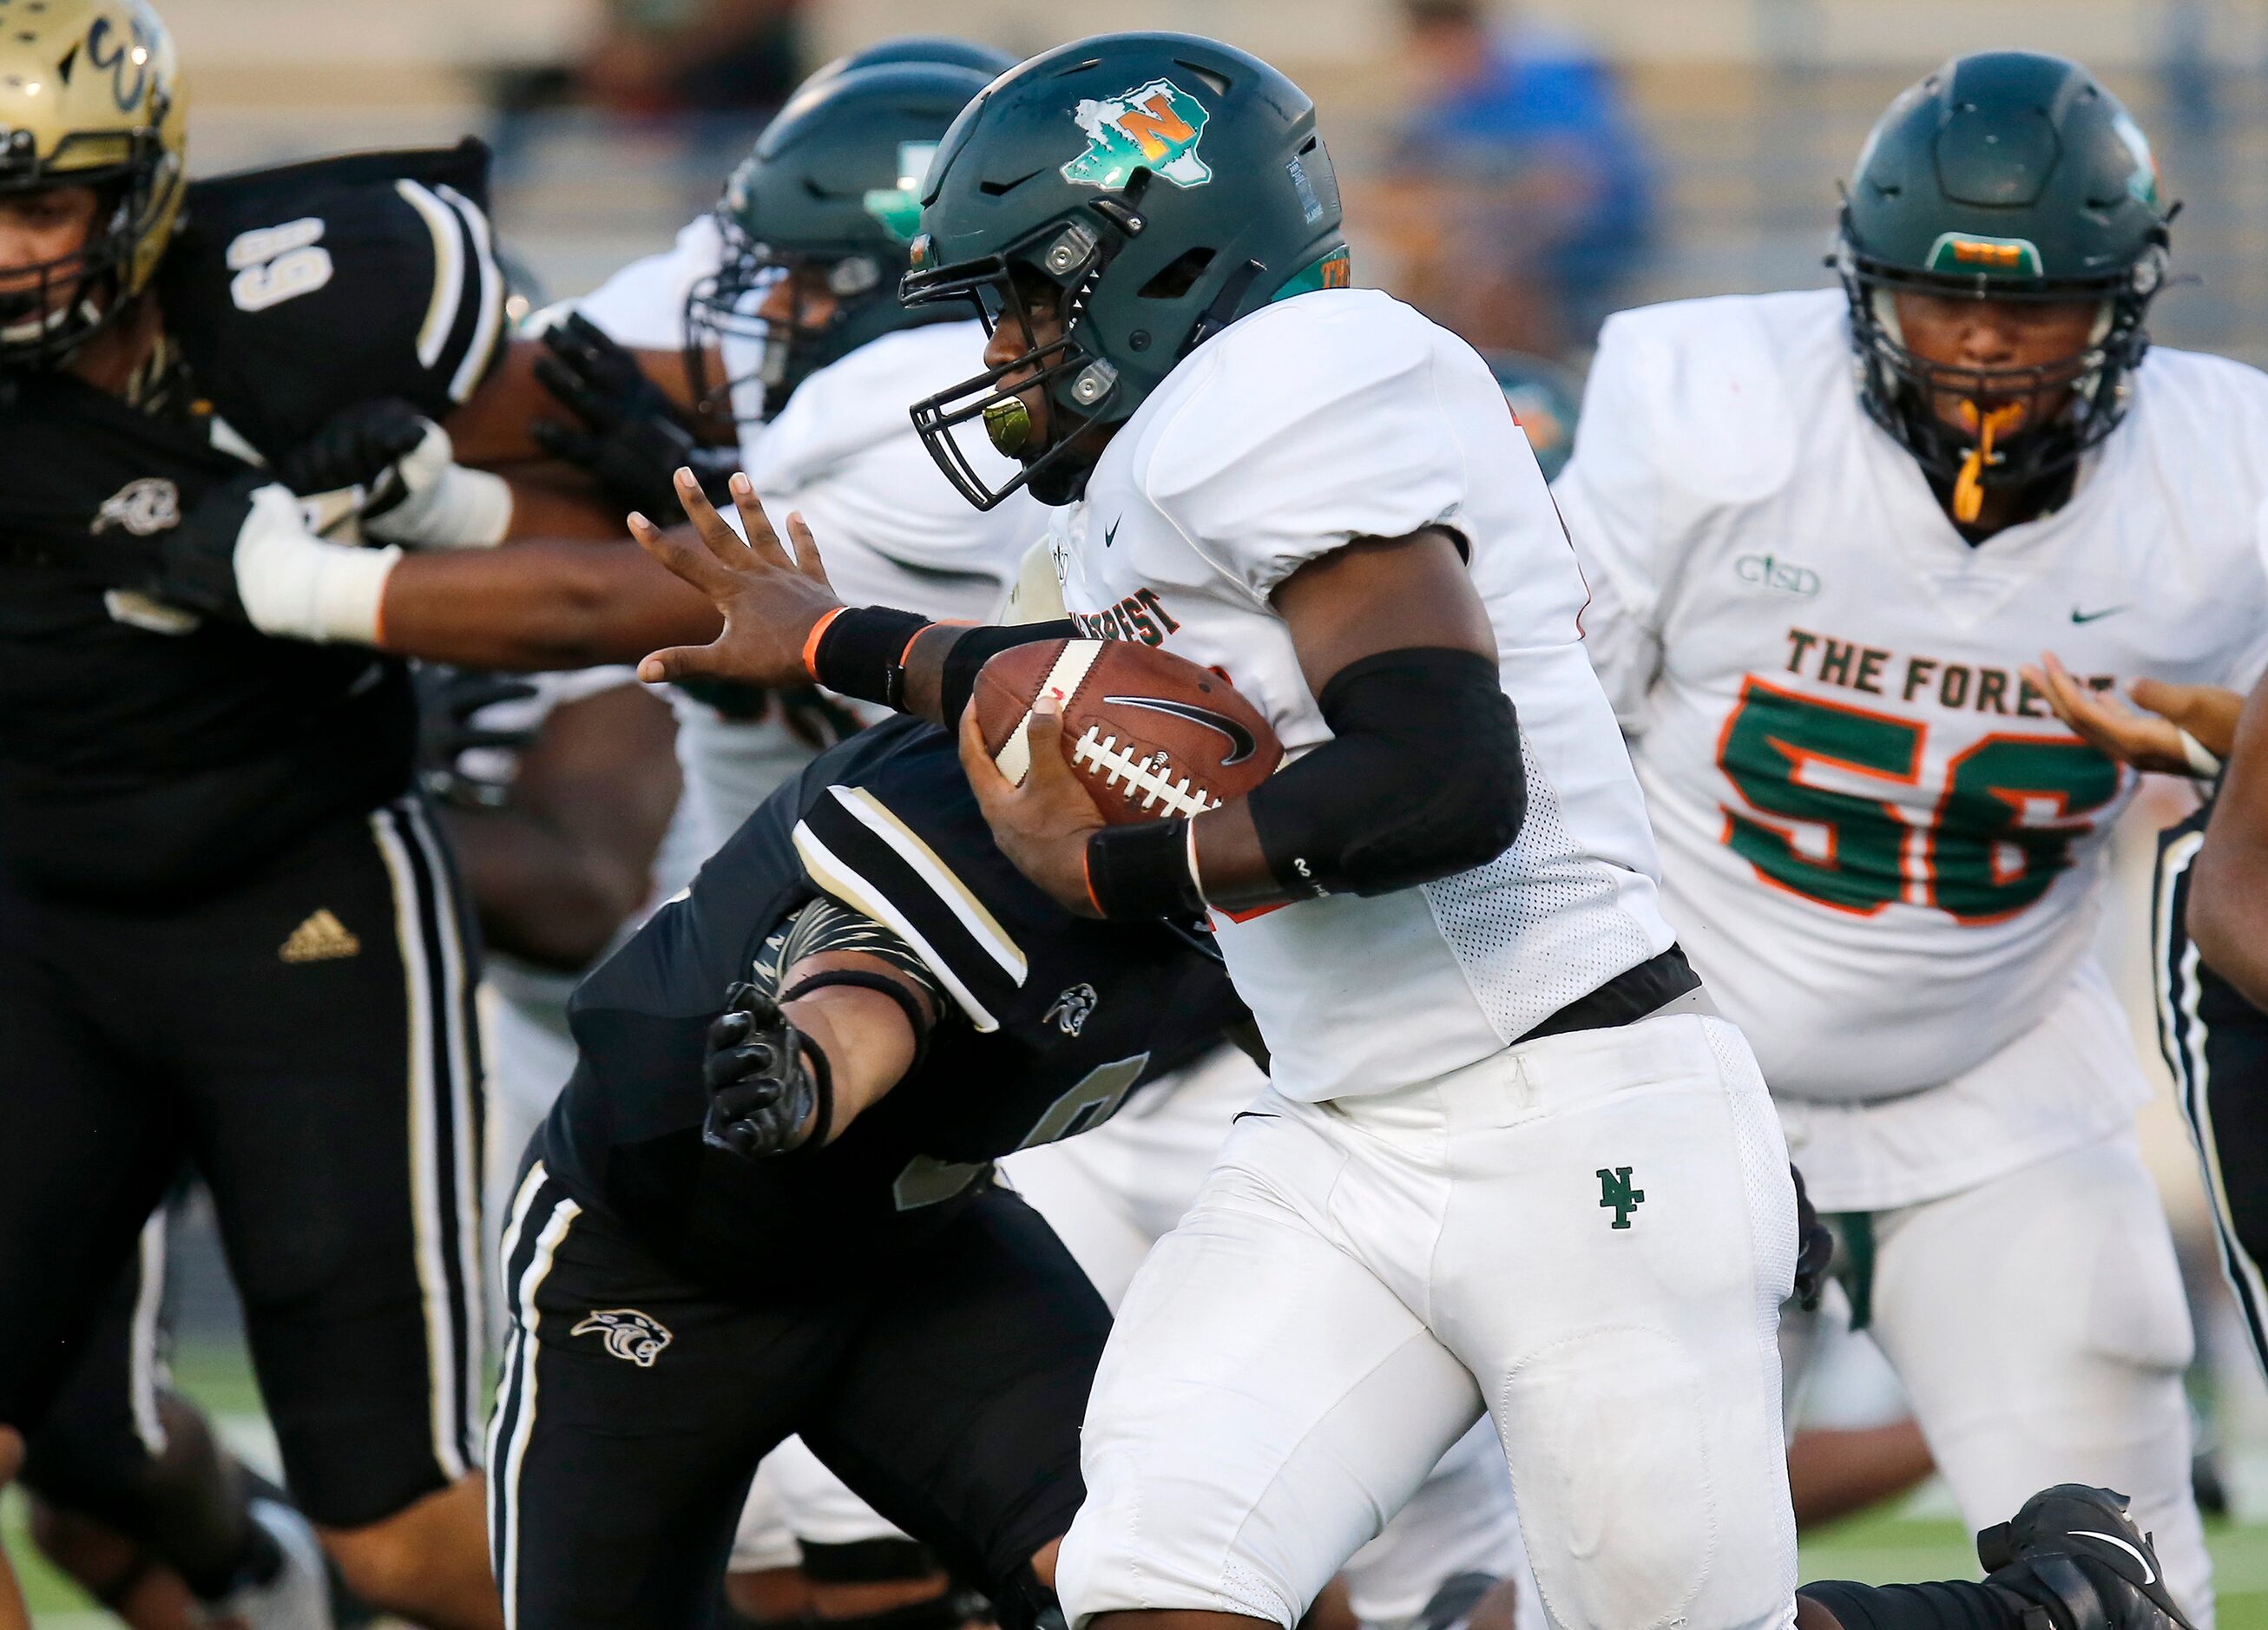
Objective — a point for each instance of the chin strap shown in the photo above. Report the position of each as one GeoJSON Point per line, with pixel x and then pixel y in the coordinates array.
{"type": "Point", "coordinates": [1969, 487]}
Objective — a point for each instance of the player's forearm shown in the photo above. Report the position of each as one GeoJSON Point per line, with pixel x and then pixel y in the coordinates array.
{"type": "Point", "coordinates": [548, 501]}
{"type": "Point", "coordinates": [539, 896]}
{"type": "Point", "coordinates": [537, 605]}
{"type": "Point", "coordinates": [868, 1044]}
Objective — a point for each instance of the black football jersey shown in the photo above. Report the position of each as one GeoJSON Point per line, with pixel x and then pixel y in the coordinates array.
{"type": "Point", "coordinates": [1058, 1018]}
{"type": "Point", "coordinates": [146, 754]}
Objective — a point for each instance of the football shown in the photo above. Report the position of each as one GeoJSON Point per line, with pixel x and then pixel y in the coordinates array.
{"type": "Point", "coordinates": [1152, 734]}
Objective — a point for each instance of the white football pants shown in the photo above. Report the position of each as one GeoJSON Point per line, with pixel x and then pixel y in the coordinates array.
{"type": "Point", "coordinates": [1586, 1236]}
{"type": "Point", "coordinates": [2039, 1324]}
{"type": "Point", "coordinates": [1110, 1193]}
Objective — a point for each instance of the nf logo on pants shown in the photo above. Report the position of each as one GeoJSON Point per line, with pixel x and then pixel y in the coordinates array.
{"type": "Point", "coordinates": [1617, 1195]}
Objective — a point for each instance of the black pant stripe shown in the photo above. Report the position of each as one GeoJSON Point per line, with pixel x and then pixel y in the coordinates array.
{"type": "Point", "coordinates": [542, 1212]}
{"type": "Point", "coordinates": [426, 954]}
{"type": "Point", "coordinates": [458, 1096]}
{"type": "Point", "coordinates": [2184, 1037]}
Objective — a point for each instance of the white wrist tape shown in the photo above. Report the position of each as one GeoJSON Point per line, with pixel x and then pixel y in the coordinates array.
{"type": "Point", "coordinates": [464, 509]}
{"type": "Point", "coordinates": [448, 506]}
{"type": "Point", "coordinates": [296, 586]}
{"type": "Point", "coordinates": [2203, 762]}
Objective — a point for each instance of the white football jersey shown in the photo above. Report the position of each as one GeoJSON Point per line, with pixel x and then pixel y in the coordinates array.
{"type": "Point", "coordinates": [1333, 415]}
{"type": "Point", "coordinates": [1879, 846]}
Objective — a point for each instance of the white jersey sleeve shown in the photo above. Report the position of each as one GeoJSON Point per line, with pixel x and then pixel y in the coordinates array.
{"type": "Point", "coordinates": [1359, 446]}
{"type": "Point", "coordinates": [643, 305]}
{"type": "Point", "coordinates": [892, 531]}
{"type": "Point", "coordinates": [1662, 441]}
{"type": "Point", "coordinates": [1329, 416]}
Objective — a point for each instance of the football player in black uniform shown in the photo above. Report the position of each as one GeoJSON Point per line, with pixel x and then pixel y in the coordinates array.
{"type": "Point", "coordinates": [814, 1241]}
{"type": "Point", "coordinates": [238, 940]}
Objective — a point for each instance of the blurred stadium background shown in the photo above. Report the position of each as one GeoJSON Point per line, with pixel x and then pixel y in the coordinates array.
{"type": "Point", "coordinates": [1605, 153]}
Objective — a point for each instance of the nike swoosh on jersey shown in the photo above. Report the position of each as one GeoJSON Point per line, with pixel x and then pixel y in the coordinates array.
{"type": "Point", "coordinates": [1110, 532]}
{"type": "Point", "coordinates": [2149, 1574]}
{"type": "Point", "coordinates": [2077, 615]}
{"type": "Point", "coordinates": [1241, 743]}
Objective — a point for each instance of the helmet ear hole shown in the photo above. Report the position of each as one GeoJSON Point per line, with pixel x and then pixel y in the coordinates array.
{"type": "Point", "coordinates": [1178, 277]}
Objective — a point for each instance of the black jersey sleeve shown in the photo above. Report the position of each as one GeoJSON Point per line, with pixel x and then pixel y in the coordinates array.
{"type": "Point", "coordinates": [296, 292]}
{"type": "Point", "coordinates": [868, 850]}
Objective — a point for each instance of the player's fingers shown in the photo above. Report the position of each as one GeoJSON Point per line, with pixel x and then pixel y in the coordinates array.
{"type": "Point", "coordinates": [673, 663]}
{"type": "Point", "coordinates": [1050, 771]}
{"type": "Point", "coordinates": [762, 541]}
{"type": "Point", "coordinates": [683, 555]}
{"type": "Point", "coordinates": [716, 533]}
{"type": "Point", "coordinates": [985, 777]}
{"type": "Point", "coordinates": [807, 549]}
{"type": "Point", "coordinates": [570, 447]}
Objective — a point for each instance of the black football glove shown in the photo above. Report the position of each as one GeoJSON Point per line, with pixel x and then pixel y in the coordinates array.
{"type": "Point", "coordinates": [357, 448]}
{"type": "Point", "coordinates": [630, 435]}
{"type": "Point", "coordinates": [765, 1080]}
{"type": "Point", "coordinates": [1814, 1248]}
{"type": "Point", "coordinates": [447, 700]}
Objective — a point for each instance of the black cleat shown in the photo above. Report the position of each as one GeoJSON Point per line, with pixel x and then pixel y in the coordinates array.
{"type": "Point", "coordinates": [1452, 1604]}
{"type": "Point", "coordinates": [2077, 1562]}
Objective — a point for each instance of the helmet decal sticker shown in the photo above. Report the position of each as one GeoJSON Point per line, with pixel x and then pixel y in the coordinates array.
{"type": "Point", "coordinates": [2143, 184]}
{"type": "Point", "coordinates": [1972, 252]}
{"type": "Point", "coordinates": [1157, 124]}
{"type": "Point", "coordinates": [899, 208]}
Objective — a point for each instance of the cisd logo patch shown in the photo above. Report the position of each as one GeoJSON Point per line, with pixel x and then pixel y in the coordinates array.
{"type": "Point", "coordinates": [142, 507]}
{"type": "Point", "coordinates": [630, 1334]}
{"type": "Point", "coordinates": [1157, 125]}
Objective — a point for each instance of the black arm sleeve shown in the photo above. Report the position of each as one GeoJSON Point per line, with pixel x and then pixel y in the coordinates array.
{"type": "Point", "coordinates": [977, 647]}
{"type": "Point", "coordinates": [1423, 779]}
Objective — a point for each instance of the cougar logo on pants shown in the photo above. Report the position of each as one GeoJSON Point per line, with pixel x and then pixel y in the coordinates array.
{"type": "Point", "coordinates": [630, 1334]}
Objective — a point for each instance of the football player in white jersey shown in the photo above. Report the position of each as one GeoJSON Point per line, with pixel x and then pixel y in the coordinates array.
{"type": "Point", "coordinates": [1816, 591]}
{"type": "Point", "coordinates": [1441, 1208]}
{"type": "Point", "coordinates": [1510, 1162]}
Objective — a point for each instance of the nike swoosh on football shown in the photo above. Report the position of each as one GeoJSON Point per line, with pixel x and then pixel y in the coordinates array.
{"type": "Point", "coordinates": [1241, 743]}
{"type": "Point", "coordinates": [2149, 1574]}
{"type": "Point", "coordinates": [2077, 615]}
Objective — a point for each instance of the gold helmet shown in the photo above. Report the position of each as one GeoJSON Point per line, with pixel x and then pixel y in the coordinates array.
{"type": "Point", "coordinates": [90, 96]}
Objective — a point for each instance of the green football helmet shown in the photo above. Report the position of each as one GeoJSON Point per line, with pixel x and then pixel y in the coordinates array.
{"type": "Point", "coordinates": [1157, 187]}
{"type": "Point", "coordinates": [940, 49]}
{"type": "Point", "coordinates": [2004, 175]}
{"type": "Point", "coordinates": [831, 191]}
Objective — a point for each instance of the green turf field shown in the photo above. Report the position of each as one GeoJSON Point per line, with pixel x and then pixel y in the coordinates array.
{"type": "Point", "coordinates": [1879, 1549]}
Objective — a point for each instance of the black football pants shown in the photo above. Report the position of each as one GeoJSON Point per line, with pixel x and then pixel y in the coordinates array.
{"type": "Point", "coordinates": [945, 1385]}
{"type": "Point", "coordinates": [2216, 1043]}
{"type": "Point", "coordinates": [305, 1040]}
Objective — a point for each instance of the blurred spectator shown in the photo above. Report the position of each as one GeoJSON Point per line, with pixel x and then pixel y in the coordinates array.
{"type": "Point", "coordinates": [692, 56]}
{"type": "Point", "coordinates": [1526, 201]}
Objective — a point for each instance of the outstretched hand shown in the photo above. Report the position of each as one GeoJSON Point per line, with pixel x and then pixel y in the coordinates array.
{"type": "Point", "coordinates": [1041, 826]}
{"type": "Point", "coordinates": [771, 598]}
{"type": "Point", "coordinates": [2149, 740]}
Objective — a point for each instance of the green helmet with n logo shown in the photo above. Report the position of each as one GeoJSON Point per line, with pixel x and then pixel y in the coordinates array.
{"type": "Point", "coordinates": [1161, 185]}
{"type": "Point", "coordinates": [833, 185]}
{"type": "Point", "coordinates": [2007, 175]}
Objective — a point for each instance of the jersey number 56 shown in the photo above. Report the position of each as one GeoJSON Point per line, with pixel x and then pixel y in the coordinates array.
{"type": "Point", "coordinates": [1979, 859]}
